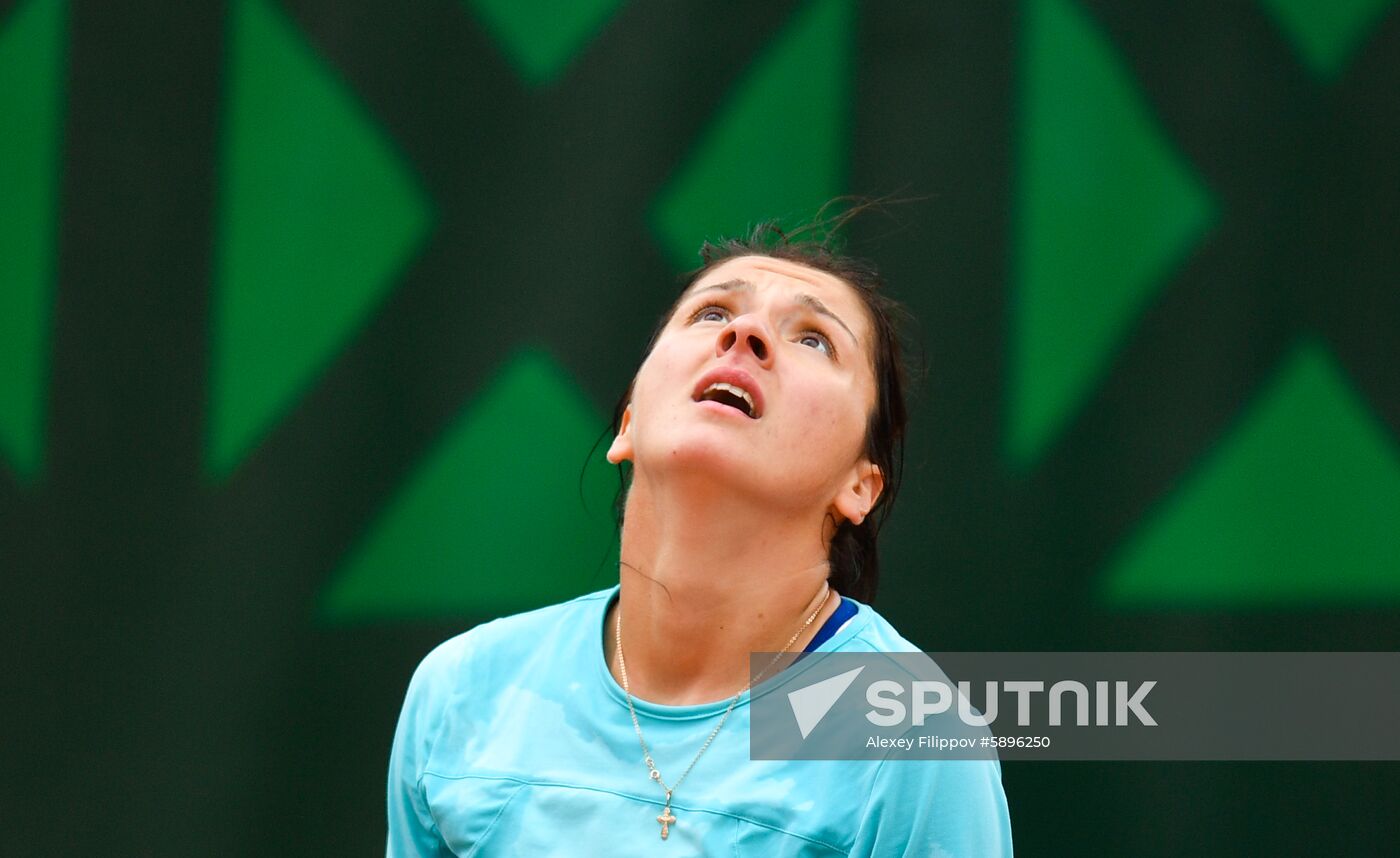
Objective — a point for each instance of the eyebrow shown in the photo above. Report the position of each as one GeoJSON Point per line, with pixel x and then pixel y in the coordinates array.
{"type": "Point", "coordinates": [811, 302]}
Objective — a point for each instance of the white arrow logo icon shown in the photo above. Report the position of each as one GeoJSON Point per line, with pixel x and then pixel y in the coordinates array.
{"type": "Point", "coordinates": [810, 704]}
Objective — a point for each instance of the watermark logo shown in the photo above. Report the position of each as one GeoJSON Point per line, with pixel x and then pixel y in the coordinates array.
{"type": "Point", "coordinates": [1080, 706]}
{"type": "Point", "coordinates": [810, 704]}
{"type": "Point", "coordinates": [932, 697]}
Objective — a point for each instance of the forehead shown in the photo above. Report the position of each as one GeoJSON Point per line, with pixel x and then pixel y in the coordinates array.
{"type": "Point", "coordinates": [768, 273]}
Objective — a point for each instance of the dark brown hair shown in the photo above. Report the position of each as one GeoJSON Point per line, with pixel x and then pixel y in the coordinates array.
{"type": "Point", "coordinates": [853, 555]}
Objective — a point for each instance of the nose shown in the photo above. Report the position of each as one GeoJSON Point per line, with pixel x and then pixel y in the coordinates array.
{"type": "Point", "coordinates": [745, 332]}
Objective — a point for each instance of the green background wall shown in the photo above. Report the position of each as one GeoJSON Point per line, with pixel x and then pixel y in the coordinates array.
{"type": "Point", "coordinates": [311, 312]}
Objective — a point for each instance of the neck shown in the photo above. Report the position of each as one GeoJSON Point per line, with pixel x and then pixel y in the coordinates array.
{"type": "Point", "coordinates": [705, 581]}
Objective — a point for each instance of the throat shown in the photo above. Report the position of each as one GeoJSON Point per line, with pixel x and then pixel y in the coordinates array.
{"type": "Point", "coordinates": [710, 664]}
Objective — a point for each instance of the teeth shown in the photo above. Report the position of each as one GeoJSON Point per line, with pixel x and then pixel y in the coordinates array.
{"type": "Point", "coordinates": [737, 391]}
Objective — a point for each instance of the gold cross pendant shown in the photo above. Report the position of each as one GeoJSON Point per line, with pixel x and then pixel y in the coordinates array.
{"type": "Point", "coordinates": [666, 819]}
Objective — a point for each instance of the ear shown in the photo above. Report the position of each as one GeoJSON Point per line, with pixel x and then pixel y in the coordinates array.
{"type": "Point", "coordinates": [621, 449]}
{"type": "Point", "coordinates": [858, 496]}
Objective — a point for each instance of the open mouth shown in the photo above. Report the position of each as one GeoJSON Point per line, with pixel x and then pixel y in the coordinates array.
{"type": "Point", "coordinates": [732, 395]}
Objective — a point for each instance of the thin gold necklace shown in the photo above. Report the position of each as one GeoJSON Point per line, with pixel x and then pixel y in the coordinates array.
{"type": "Point", "coordinates": [667, 819]}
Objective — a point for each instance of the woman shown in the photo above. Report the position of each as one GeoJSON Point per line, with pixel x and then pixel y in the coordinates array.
{"type": "Point", "coordinates": [763, 432]}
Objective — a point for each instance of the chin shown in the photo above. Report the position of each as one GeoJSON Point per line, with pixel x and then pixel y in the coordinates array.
{"type": "Point", "coordinates": [705, 460]}
{"type": "Point", "coordinates": [704, 451]}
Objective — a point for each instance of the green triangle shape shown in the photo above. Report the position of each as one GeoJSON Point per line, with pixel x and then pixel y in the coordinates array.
{"type": "Point", "coordinates": [778, 148]}
{"type": "Point", "coordinates": [317, 216]}
{"type": "Point", "coordinates": [31, 66]}
{"type": "Point", "coordinates": [492, 522]}
{"type": "Point", "coordinates": [1106, 209]}
{"type": "Point", "coordinates": [1326, 32]}
{"type": "Point", "coordinates": [1298, 505]}
{"type": "Point", "coordinates": [541, 37]}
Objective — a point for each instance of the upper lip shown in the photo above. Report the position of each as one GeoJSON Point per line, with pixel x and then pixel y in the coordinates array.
{"type": "Point", "coordinates": [735, 376]}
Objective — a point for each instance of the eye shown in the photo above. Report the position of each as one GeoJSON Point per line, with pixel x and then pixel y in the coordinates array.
{"type": "Point", "coordinates": [821, 341]}
{"type": "Point", "coordinates": [709, 313]}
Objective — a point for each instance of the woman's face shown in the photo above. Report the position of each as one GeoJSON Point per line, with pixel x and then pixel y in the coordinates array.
{"type": "Point", "coordinates": [761, 379]}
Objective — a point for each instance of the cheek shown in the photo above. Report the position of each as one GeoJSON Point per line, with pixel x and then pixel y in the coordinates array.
{"type": "Point", "coordinates": [652, 374]}
{"type": "Point", "coordinates": [829, 414]}
{"type": "Point", "coordinates": [658, 388]}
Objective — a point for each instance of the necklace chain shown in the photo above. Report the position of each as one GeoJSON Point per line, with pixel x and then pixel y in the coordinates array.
{"type": "Point", "coordinates": [666, 818]}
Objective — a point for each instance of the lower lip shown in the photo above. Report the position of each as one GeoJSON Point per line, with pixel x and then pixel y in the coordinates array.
{"type": "Point", "coordinates": [721, 408]}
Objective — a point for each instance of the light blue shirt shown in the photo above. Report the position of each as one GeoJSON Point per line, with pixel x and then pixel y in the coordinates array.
{"type": "Point", "coordinates": [515, 740]}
